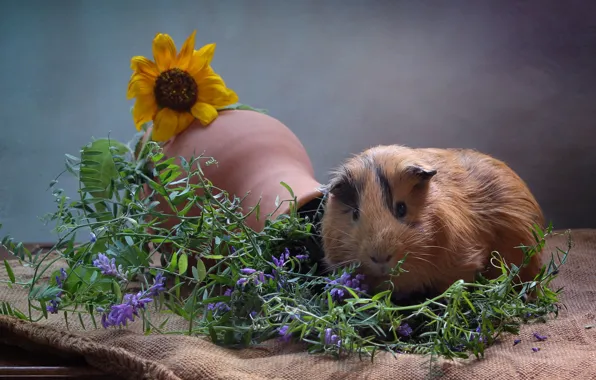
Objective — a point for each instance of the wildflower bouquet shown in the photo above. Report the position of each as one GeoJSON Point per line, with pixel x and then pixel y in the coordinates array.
{"type": "Point", "coordinates": [238, 286]}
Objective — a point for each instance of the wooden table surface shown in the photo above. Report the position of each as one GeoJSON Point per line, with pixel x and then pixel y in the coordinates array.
{"type": "Point", "coordinates": [17, 363]}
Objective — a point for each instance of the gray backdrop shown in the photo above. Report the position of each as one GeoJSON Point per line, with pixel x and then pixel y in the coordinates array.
{"type": "Point", "coordinates": [513, 79]}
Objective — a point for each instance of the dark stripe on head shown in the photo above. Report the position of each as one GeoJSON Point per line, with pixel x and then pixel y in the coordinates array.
{"type": "Point", "coordinates": [386, 192]}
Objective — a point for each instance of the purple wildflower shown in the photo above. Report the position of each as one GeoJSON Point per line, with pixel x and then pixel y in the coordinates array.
{"type": "Point", "coordinates": [242, 281]}
{"type": "Point", "coordinates": [286, 335]}
{"type": "Point", "coordinates": [127, 310]}
{"type": "Point", "coordinates": [404, 330]}
{"type": "Point", "coordinates": [535, 349]}
{"type": "Point", "coordinates": [478, 335]}
{"type": "Point", "coordinates": [61, 277]}
{"type": "Point", "coordinates": [540, 337]}
{"type": "Point", "coordinates": [283, 258]}
{"type": "Point", "coordinates": [337, 293]}
{"type": "Point", "coordinates": [131, 304]}
{"type": "Point", "coordinates": [107, 266]}
{"type": "Point", "coordinates": [253, 314]}
{"type": "Point", "coordinates": [260, 279]}
{"type": "Point", "coordinates": [516, 342]}
{"type": "Point", "coordinates": [302, 257]}
{"type": "Point", "coordinates": [158, 285]}
{"type": "Point", "coordinates": [219, 306]}
{"type": "Point", "coordinates": [228, 292]}
{"type": "Point", "coordinates": [52, 307]}
{"type": "Point", "coordinates": [92, 237]}
{"type": "Point", "coordinates": [331, 338]}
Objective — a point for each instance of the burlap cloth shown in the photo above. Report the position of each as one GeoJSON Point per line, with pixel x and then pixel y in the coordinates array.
{"type": "Point", "coordinates": [568, 353]}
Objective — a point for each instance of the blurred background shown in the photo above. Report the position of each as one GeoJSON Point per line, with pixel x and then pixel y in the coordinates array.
{"type": "Point", "coordinates": [515, 79]}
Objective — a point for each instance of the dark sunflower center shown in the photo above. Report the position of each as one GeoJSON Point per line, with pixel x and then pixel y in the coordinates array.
{"type": "Point", "coordinates": [175, 89]}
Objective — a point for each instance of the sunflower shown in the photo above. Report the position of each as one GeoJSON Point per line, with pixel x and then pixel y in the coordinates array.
{"type": "Point", "coordinates": [176, 88]}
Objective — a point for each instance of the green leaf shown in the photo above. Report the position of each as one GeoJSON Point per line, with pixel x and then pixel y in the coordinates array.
{"type": "Point", "coordinates": [379, 295]}
{"type": "Point", "coordinates": [201, 270]}
{"type": "Point", "coordinates": [99, 156]}
{"type": "Point", "coordinates": [182, 263]}
{"type": "Point", "coordinates": [9, 271]}
{"type": "Point", "coordinates": [173, 262]}
{"type": "Point", "coordinates": [288, 188]}
{"type": "Point", "coordinates": [93, 277]}
{"type": "Point", "coordinates": [129, 240]}
{"type": "Point", "coordinates": [116, 290]}
{"type": "Point", "coordinates": [244, 107]}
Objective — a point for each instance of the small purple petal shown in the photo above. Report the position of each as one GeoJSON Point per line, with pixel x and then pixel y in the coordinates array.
{"type": "Point", "coordinates": [286, 336]}
{"type": "Point", "coordinates": [328, 333]}
{"type": "Point", "coordinates": [158, 285]}
{"type": "Point", "coordinates": [104, 321]}
{"type": "Point", "coordinates": [52, 307]}
{"type": "Point", "coordinates": [107, 266]}
{"type": "Point", "coordinates": [242, 281]}
{"type": "Point", "coordinates": [92, 237]}
{"type": "Point", "coordinates": [404, 330]}
{"type": "Point", "coordinates": [516, 342]}
{"type": "Point", "coordinates": [535, 349]}
{"type": "Point", "coordinates": [247, 271]}
{"type": "Point", "coordinates": [540, 337]}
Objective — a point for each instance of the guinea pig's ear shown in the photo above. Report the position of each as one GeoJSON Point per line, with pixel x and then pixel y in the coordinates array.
{"type": "Point", "coordinates": [422, 174]}
{"type": "Point", "coordinates": [343, 187]}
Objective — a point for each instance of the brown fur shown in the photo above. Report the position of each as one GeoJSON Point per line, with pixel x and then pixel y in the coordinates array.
{"type": "Point", "coordinates": [473, 205]}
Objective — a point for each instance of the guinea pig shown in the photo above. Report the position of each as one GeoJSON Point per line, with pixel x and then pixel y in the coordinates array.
{"type": "Point", "coordinates": [447, 209]}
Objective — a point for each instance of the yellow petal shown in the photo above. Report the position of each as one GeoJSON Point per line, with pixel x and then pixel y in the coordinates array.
{"type": "Point", "coordinates": [143, 110]}
{"type": "Point", "coordinates": [165, 124]}
{"type": "Point", "coordinates": [208, 77]}
{"type": "Point", "coordinates": [201, 58]}
{"type": "Point", "coordinates": [204, 112]}
{"type": "Point", "coordinates": [213, 90]}
{"type": "Point", "coordinates": [164, 51]}
{"type": "Point", "coordinates": [140, 84]}
{"type": "Point", "coordinates": [143, 65]}
{"type": "Point", "coordinates": [217, 96]}
{"type": "Point", "coordinates": [184, 121]}
{"type": "Point", "coordinates": [185, 55]}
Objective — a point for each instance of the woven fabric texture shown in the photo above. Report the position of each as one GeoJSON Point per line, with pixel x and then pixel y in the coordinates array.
{"type": "Point", "coordinates": [568, 353]}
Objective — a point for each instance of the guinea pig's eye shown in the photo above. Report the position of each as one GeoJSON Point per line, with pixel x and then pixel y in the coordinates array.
{"type": "Point", "coordinates": [355, 214]}
{"type": "Point", "coordinates": [400, 209]}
